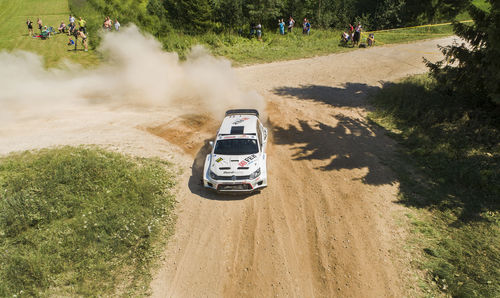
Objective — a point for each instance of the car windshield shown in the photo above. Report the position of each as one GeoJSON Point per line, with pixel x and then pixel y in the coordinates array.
{"type": "Point", "coordinates": [236, 147]}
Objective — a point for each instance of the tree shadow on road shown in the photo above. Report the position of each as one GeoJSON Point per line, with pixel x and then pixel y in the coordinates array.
{"type": "Point", "coordinates": [350, 95]}
{"type": "Point", "coordinates": [351, 144]}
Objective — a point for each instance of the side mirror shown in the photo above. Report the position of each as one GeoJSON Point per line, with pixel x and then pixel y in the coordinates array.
{"type": "Point", "coordinates": [211, 143]}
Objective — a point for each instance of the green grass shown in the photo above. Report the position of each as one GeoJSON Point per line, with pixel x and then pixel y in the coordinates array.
{"type": "Point", "coordinates": [274, 47]}
{"type": "Point", "coordinates": [81, 222]}
{"type": "Point", "coordinates": [482, 4]}
{"type": "Point", "coordinates": [449, 173]}
{"type": "Point", "coordinates": [14, 32]}
{"type": "Point", "coordinates": [239, 49]}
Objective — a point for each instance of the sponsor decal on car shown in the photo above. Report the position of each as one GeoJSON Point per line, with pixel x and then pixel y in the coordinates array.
{"type": "Point", "coordinates": [219, 159]}
{"type": "Point", "coordinates": [238, 137]}
{"type": "Point", "coordinates": [240, 120]}
{"type": "Point", "coordinates": [247, 160]}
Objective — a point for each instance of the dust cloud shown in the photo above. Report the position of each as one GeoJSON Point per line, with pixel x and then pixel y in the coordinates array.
{"type": "Point", "coordinates": [135, 72]}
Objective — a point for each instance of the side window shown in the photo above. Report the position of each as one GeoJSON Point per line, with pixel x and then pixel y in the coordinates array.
{"type": "Point", "coordinates": [259, 134]}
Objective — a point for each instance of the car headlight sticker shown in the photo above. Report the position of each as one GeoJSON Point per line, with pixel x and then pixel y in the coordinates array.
{"type": "Point", "coordinates": [255, 174]}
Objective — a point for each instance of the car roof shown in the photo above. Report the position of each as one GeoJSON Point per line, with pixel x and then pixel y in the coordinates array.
{"type": "Point", "coordinates": [239, 125]}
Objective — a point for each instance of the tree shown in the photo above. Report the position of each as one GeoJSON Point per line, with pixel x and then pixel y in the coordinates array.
{"type": "Point", "coordinates": [192, 16]}
{"type": "Point", "coordinates": [473, 67]}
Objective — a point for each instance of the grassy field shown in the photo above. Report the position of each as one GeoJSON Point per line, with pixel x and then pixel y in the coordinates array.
{"type": "Point", "coordinates": [14, 32]}
{"type": "Point", "coordinates": [239, 49]}
{"type": "Point", "coordinates": [242, 50]}
{"type": "Point", "coordinates": [81, 222]}
{"type": "Point", "coordinates": [449, 173]}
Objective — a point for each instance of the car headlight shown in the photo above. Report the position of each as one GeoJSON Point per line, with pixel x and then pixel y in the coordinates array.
{"type": "Point", "coordinates": [212, 175]}
{"type": "Point", "coordinates": [255, 174]}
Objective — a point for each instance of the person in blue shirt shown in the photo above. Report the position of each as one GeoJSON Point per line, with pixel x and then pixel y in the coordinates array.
{"type": "Point", "coordinates": [306, 27]}
{"type": "Point", "coordinates": [282, 27]}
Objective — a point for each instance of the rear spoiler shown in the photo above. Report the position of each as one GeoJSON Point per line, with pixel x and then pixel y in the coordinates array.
{"type": "Point", "coordinates": [242, 112]}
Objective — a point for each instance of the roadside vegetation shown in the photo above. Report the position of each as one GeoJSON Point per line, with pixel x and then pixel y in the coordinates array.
{"type": "Point", "coordinates": [448, 123]}
{"type": "Point", "coordinates": [455, 184]}
{"type": "Point", "coordinates": [81, 222]}
{"type": "Point", "coordinates": [228, 35]}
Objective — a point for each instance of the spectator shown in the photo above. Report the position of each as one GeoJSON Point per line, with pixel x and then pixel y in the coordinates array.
{"type": "Point", "coordinates": [357, 34]}
{"type": "Point", "coordinates": [258, 29]}
{"type": "Point", "coordinates": [71, 19]}
{"type": "Point", "coordinates": [370, 40]}
{"type": "Point", "coordinates": [291, 23]}
{"type": "Point", "coordinates": [40, 26]}
{"type": "Point", "coordinates": [62, 27]}
{"type": "Point", "coordinates": [82, 35]}
{"type": "Point", "coordinates": [117, 25]}
{"type": "Point", "coordinates": [252, 30]}
{"type": "Point", "coordinates": [350, 30]}
{"type": "Point", "coordinates": [107, 25]}
{"type": "Point", "coordinates": [29, 23]}
{"type": "Point", "coordinates": [345, 38]}
{"type": "Point", "coordinates": [83, 25]}
{"type": "Point", "coordinates": [306, 26]}
{"type": "Point", "coordinates": [71, 29]}
{"type": "Point", "coordinates": [45, 32]}
{"type": "Point", "coordinates": [281, 24]}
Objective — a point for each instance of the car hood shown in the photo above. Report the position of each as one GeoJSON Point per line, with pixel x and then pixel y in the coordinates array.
{"type": "Point", "coordinates": [228, 165]}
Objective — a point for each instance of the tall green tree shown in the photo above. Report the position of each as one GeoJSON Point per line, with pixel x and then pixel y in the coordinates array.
{"type": "Point", "coordinates": [190, 16]}
{"type": "Point", "coordinates": [473, 67]}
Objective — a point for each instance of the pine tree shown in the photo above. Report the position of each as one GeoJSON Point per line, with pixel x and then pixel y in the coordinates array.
{"type": "Point", "coordinates": [474, 66]}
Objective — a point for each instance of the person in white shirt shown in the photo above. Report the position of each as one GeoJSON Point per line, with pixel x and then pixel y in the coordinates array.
{"type": "Point", "coordinates": [117, 25]}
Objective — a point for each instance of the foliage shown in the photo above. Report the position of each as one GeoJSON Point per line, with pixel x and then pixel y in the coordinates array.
{"type": "Point", "coordinates": [455, 147]}
{"type": "Point", "coordinates": [80, 221]}
{"type": "Point", "coordinates": [241, 49]}
{"type": "Point", "coordinates": [473, 67]}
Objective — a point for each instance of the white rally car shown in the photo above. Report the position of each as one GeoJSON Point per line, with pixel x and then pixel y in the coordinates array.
{"type": "Point", "coordinates": [237, 162]}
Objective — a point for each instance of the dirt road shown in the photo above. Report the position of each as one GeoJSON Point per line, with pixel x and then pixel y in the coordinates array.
{"type": "Point", "coordinates": [325, 226]}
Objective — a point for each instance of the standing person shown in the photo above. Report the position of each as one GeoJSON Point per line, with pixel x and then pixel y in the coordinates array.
{"type": "Point", "coordinates": [282, 27]}
{"type": "Point", "coordinates": [291, 23]}
{"type": "Point", "coordinates": [306, 26]}
{"type": "Point", "coordinates": [258, 29]}
{"type": "Point", "coordinates": [117, 25]}
{"type": "Point", "coordinates": [40, 26]}
{"type": "Point", "coordinates": [83, 25]}
{"type": "Point", "coordinates": [71, 19]}
{"type": "Point", "coordinates": [29, 23]}
{"type": "Point", "coordinates": [82, 35]}
{"type": "Point", "coordinates": [357, 34]}
{"type": "Point", "coordinates": [350, 30]}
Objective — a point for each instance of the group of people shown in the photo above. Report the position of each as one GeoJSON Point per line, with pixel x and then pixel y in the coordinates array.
{"type": "Point", "coordinates": [353, 35]}
{"type": "Point", "coordinates": [306, 26]}
{"type": "Point", "coordinates": [43, 29]}
{"type": "Point", "coordinates": [108, 24]}
{"type": "Point", "coordinates": [74, 32]}
{"type": "Point", "coordinates": [75, 29]}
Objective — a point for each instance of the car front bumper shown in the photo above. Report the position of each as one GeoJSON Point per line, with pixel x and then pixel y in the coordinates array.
{"type": "Point", "coordinates": [241, 186]}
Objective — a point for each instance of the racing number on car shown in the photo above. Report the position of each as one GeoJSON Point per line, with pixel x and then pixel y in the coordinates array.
{"type": "Point", "coordinates": [247, 160]}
